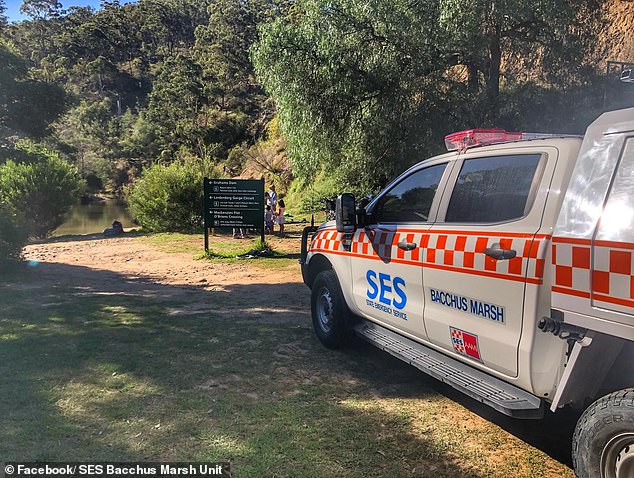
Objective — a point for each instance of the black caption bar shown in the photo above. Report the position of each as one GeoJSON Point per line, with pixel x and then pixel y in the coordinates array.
{"type": "Point", "coordinates": [115, 470]}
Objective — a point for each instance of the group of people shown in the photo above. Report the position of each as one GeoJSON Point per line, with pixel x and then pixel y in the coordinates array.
{"type": "Point", "coordinates": [274, 212]}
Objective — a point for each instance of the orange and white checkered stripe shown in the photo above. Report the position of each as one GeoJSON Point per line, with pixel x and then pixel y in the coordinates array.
{"type": "Point", "coordinates": [463, 251]}
{"type": "Point", "coordinates": [610, 279]}
{"type": "Point", "coordinates": [326, 240]}
{"type": "Point", "coordinates": [457, 251]}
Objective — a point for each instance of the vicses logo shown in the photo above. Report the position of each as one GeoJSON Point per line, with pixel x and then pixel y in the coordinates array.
{"type": "Point", "coordinates": [386, 293]}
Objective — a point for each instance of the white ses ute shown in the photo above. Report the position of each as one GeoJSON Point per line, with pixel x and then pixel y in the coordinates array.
{"type": "Point", "coordinates": [505, 269]}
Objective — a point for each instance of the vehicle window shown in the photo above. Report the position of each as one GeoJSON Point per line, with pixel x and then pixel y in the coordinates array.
{"type": "Point", "coordinates": [410, 200]}
{"type": "Point", "coordinates": [493, 189]}
{"type": "Point", "coordinates": [617, 220]}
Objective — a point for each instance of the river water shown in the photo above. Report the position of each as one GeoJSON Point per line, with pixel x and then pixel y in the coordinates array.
{"type": "Point", "coordinates": [95, 217]}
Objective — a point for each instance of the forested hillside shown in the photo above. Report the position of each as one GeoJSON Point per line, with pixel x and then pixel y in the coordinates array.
{"type": "Point", "coordinates": [350, 91]}
{"type": "Point", "coordinates": [132, 84]}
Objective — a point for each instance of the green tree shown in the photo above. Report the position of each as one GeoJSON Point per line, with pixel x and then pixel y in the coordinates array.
{"type": "Point", "coordinates": [365, 88]}
{"type": "Point", "coordinates": [223, 45]}
{"type": "Point", "coordinates": [27, 106]}
{"type": "Point", "coordinates": [41, 13]}
{"type": "Point", "coordinates": [222, 49]}
{"type": "Point", "coordinates": [148, 79]}
{"type": "Point", "coordinates": [3, 17]}
{"type": "Point", "coordinates": [41, 9]}
{"type": "Point", "coordinates": [175, 104]}
{"type": "Point", "coordinates": [555, 34]}
{"type": "Point", "coordinates": [39, 193]}
{"type": "Point", "coordinates": [169, 197]}
{"type": "Point", "coordinates": [12, 238]}
{"type": "Point", "coordinates": [357, 85]}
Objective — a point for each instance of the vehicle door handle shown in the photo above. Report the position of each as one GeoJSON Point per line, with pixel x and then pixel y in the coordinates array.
{"type": "Point", "coordinates": [496, 252]}
{"type": "Point", "coordinates": [407, 246]}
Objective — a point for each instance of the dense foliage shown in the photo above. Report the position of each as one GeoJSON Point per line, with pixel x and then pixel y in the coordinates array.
{"type": "Point", "coordinates": [27, 105]}
{"type": "Point", "coordinates": [364, 89]}
{"type": "Point", "coordinates": [356, 90]}
{"type": "Point", "coordinates": [149, 80]}
{"type": "Point", "coordinates": [12, 238]}
{"type": "Point", "coordinates": [170, 197]}
{"type": "Point", "coordinates": [40, 192]}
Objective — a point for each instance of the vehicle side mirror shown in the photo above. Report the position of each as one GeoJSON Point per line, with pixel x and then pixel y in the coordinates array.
{"type": "Point", "coordinates": [346, 213]}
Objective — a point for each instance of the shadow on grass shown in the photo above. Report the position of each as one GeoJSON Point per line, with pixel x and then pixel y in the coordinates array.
{"type": "Point", "coordinates": [96, 365]}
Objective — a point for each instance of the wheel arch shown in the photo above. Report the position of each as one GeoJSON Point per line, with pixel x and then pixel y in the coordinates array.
{"type": "Point", "coordinates": [604, 358]}
{"type": "Point", "coordinates": [317, 264]}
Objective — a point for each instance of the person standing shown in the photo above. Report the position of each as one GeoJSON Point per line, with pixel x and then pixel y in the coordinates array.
{"type": "Point", "coordinates": [273, 198]}
{"type": "Point", "coordinates": [280, 217]}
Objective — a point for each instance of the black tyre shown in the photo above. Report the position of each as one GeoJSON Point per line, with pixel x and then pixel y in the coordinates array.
{"type": "Point", "coordinates": [329, 310]}
{"type": "Point", "coordinates": [603, 443]}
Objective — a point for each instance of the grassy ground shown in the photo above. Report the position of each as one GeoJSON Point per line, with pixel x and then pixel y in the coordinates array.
{"type": "Point", "coordinates": [90, 371]}
{"type": "Point", "coordinates": [224, 249]}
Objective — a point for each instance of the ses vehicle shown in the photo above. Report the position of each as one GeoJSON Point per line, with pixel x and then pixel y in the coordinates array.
{"type": "Point", "coordinates": [505, 269]}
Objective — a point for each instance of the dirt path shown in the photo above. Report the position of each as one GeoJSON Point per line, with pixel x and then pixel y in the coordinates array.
{"type": "Point", "coordinates": [136, 257]}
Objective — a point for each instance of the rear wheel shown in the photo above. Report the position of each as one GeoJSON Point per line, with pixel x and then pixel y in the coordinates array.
{"type": "Point", "coordinates": [603, 443]}
{"type": "Point", "coordinates": [329, 310]}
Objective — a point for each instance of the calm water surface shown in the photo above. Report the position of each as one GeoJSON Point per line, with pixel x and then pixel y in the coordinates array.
{"type": "Point", "coordinates": [95, 217]}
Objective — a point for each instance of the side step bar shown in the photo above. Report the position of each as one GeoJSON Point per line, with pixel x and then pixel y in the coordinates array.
{"type": "Point", "coordinates": [505, 398]}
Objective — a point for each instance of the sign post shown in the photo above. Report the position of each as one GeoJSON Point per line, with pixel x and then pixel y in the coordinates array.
{"type": "Point", "coordinates": [233, 203]}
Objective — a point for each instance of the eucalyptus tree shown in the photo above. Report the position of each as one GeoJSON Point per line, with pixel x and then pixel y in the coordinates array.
{"type": "Point", "coordinates": [175, 103]}
{"type": "Point", "coordinates": [223, 50]}
{"type": "Point", "coordinates": [42, 15]}
{"type": "Point", "coordinates": [27, 106]}
{"type": "Point", "coordinates": [41, 9]}
{"type": "Point", "coordinates": [3, 17]}
{"type": "Point", "coordinates": [547, 39]}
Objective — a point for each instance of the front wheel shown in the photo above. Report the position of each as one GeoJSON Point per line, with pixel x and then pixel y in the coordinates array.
{"type": "Point", "coordinates": [329, 310]}
{"type": "Point", "coordinates": [603, 443]}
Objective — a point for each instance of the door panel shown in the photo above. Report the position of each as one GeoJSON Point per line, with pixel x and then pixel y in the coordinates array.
{"type": "Point", "coordinates": [386, 257]}
{"type": "Point", "coordinates": [474, 299]}
{"type": "Point", "coordinates": [387, 280]}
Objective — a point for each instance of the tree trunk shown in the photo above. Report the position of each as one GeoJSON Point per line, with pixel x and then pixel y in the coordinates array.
{"type": "Point", "coordinates": [493, 80]}
{"type": "Point", "coordinates": [473, 81]}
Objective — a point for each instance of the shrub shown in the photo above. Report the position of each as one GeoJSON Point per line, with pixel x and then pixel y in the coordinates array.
{"type": "Point", "coordinates": [169, 197]}
{"type": "Point", "coordinates": [12, 238]}
{"type": "Point", "coordinates": [39, 193]}
{"type": "Point", "coordinates": [308, 196]}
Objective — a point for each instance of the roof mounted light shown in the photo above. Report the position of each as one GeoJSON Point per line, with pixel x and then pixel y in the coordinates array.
{"type": "Point", "coordinates": [463, 140]}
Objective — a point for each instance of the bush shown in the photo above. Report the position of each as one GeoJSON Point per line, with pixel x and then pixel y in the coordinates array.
{"type": "Point", "coordinates": [169, 197]}
{"type": "Point", "coordinates": [12, 238]}
{"type": "Point", "coordinates": [308, 196]}
{"type": "Point", "coordinates": [39, 193]}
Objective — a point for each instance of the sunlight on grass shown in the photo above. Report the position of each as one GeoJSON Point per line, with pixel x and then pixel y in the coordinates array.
{"type": "Point", "coordinates": [117, 406]}
{"type": "Point", "coordinates": [451, 428]}
{"type": "Point", "coordinates": [233, 249]}
{"type": "Point", "coordinates": [175, 243]}
{"type": "Point", "coordinates": [119, 315]}
{"type": "Point", "coordinates": [224, 445]}
{"type": "Point", "coordinates": [226, 375]}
